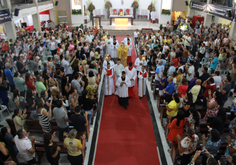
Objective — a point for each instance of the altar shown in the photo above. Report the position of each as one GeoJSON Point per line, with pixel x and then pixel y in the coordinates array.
{"type": "Point", "coordinates": [121, 20]}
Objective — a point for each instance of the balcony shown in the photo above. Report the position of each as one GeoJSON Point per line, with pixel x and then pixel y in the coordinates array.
{"type": "Point", "coordinates": [18, 3]}
{"type": "Point", "coordinates": [202, 1]}
{"type": "Point", "coordinates": [225, 3]}
{"type": "Point", "coordinates": [44, 1]}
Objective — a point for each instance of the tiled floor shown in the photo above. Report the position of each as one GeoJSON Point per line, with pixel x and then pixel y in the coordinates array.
{"type": "Point", "coordinates": [137, 25]}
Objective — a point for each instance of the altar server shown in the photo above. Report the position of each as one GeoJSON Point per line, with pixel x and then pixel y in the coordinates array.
{"type": "Point", "coordinates": [143, 75]}
{"type": "Point", "coordinates": [126, 40]}
{"type": "Point", "coordinates": [130, 47]}
{"type": "Point", "coordinates": [108, 44]}
{"type": "Point", "coordinates": [108, 60]}
{"type": "Point", "coordinates": [131, 74]}
{"type": "Point", "coordinates": [122, 85]}
{"type": "Point", "coordinates": [109, 84]}
{"type": "Point", "coordinates": [114, 47]}
{"type": "Point", "coordinates": [118, 68]}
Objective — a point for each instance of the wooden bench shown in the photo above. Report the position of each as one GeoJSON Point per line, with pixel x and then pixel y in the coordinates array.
{"type": "Point", "coordinates": [204, 129]}
{"type": "Point", "coordinates": [33, 125]}
{"type": "Point", "coordinates": [160, 102]}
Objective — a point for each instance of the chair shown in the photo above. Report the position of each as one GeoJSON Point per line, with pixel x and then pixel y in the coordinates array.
{"type": "Point", "coordinates": [121, 11]}
{"type": "Point", "coordinates": [114, 12]}
{"type": "Point", "coordinates": [97, 13]}
{"type": "Point", "coordinates": [3, 108]}
{"type": "Point", "coordinates": [139, 13]}
{"type": "Point", "coordinates": [102, 13]}
{"type": "Point", "coordinates": [127, 12]}
{"type": "Point", "coordinates": [144, 13]}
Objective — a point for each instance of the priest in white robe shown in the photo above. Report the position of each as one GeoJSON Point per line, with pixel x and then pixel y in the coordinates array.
{"type": "Point", "coordinates": [122, 85]}
{"type": "Point", "coordinates": [118, 68]}
{"type": "Point", "coordinates": [108, 44]}
{"type": "Point", "coordinates": [143, 75]}
{"type": "Point", "coordinates": [108, 60]}
{"type": "Point", "coordinates": [114, 47]}
{"type": "Point", "coordinates": [130, 47]}
{"type": "Point", "coordinates": [109, 84]}
{"type": "Point", "coordinates": [126, 40]}
{"type": "Point", "coordinates": [132, 75]}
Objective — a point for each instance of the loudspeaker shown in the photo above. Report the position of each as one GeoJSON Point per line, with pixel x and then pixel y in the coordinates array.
{"type": "Point", "coordinates": [229, 13]}
{"type": "Point", "coordinates": [56, 3]}
{"type": "Point", "coordinates": [16, 12]}
{"type": "Point", "coordinates": [186, 3]}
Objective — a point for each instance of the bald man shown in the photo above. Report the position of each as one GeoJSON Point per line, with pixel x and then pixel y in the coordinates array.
{"type": "Point", "coordinates": [196, 89]}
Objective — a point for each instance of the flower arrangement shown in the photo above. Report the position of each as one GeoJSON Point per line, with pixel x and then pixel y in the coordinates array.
{"type": "Point", "coordinates": [135, 4]}
{"type": "Point", "coordinates": [151, 7]}
{"type": "Point", "coordinates": [76, 11]}
{"type": "Point", "coordinates": [91, 7]}
{"type": "Point", "coordinates": [108, 4]}
{"type": "Point", "coordinates": [165, 12]}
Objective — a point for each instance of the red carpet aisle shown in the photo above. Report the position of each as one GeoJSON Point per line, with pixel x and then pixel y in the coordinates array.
{"type": "Point", "coordinates": [126, 137]}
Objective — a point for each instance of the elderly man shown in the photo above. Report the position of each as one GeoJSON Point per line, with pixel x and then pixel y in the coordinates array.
{"type": "Point", "coordinates": [123, 53]}
{"type": "Point", "coordinates": [66, 63]}
{"type": "Point", "coordinates": [25, 146]}
{"type": "Point", "coordinates": [169, 90]}
{"type": "Point", "coordinates": [89, 37]}
{"type": "Point", "coordinates": [9, 75]}
{"type": "Point", "coordinates": [196, 90]}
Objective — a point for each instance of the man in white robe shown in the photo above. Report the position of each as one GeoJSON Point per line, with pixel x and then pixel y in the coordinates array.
{"type": "Point", "coordinates": [122, 85]}
{"type": "Point", "coordinates": [143, 75]}
{"type": "Point", "coordinates": [130, 47]}
{"type": "Point", "coordinates": [109, 84]}
{"type": "Point", "coordinates": [126, 40]}
{"type": "Point", "coordinates": [131, 74]}
{"type": "Point", "coordinates": [114, 47]}
{"type": "Point", "coordinates": [108, 44]}
{"type": "Point", "coordinates": [139, 62]}
{"type": "Point", "coordinates": [108, 60]}
{"type": "Point", "coordinates": [118, 68]}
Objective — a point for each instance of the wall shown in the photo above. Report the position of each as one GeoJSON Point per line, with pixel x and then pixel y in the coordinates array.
{"type": "Point", "coordinates": [63, 5]}
{"type": "Point", "coordinates": [179, 5]}
{"type": "Point", "coordinates": [25, 12]}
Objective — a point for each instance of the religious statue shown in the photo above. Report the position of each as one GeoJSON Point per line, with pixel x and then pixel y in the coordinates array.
{"type": "Point", "coordinates": [122, 53]}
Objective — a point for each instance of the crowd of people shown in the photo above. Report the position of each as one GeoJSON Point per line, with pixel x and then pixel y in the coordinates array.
{"type": "Point", "coordinates": [181, 76]}
{"type": "Point", "coordinates": [54, 75]}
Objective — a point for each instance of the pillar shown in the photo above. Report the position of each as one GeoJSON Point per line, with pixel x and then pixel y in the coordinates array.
{"type": "Point", "coordinates": [232, 31]}
{"type": "Point", "coordinates": [207, 20]}
{"type": "Point", "coordinates": [11, 30]}
{"type": "Point", "coordinates": [9, 26]}
{"type": "Point", "coordinates": [55, 11]}
{"type": "Point", "coordinates": [52, 15]}
{"type": "Point", "coordinates": [35, 17]}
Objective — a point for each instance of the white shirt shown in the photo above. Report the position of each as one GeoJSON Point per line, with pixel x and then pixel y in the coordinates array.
{"type": "Point", "coordinates": [23, 146]}
{"type": "Point", "coordinates": [137, 64]}
{"type": "Point", "coordinates": [190, 70]}
{"type": "Point", "coordinates": [53, 45]}
{"type": "Point", "coordinates": [67, 67]}
{"type": "Point", "coordinates": [217, 80]}
{"type": "Point", "coordinates": [89, 38]}
{"type": "Point", "coordinates": [125, 41]}
{"type": "Point", "coordinates": [136, 34]}
{"type": "Point", "coordinates": [187, 41]}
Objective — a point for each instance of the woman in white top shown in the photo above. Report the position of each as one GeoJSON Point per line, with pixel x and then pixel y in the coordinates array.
{"type": "Point", "coordinates": [187, 146]}
{"type": "Point", "coordinates": [217, 79]}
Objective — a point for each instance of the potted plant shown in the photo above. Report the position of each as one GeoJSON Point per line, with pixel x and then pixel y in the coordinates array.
{"type": "Point", "coordinates": [135, 6]}
{"type": "Point", "coordinates": [76, 11]}
{"type": "Point", "coordinates": [77, 28]}
{"type": "Point", "coordinates": [108, 5]}
{"type": "Point", "coordinates": [160, 27]}
{"type": "Point", "coordinates": [165, 29]}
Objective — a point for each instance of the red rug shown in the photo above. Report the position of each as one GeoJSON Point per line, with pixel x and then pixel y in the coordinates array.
{"type": "Point", "coordinates": [126, 137]}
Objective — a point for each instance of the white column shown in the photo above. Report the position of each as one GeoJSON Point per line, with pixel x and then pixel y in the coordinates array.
{"type": "Point", "coordinates": [11, 30]}
{"type": "Point", "coordinates": [207, 20]}
{"type": "Point", "coordinates": [52, 15]}
{"type": "Point", "coordinates": [36, 22]}
{"type": "Point", "coordinates": [232, 31]}
{"type": "Point", "coordinates": [9, 26]}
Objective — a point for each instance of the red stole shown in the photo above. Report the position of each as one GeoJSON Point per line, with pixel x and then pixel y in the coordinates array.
{"type": "Point", "coordinates": [128, 43]}
{"type": "Point", "coordinates": [109, 72]}
{"type": "Point", "coordinates": [145, 74]}
{"type": "Point", "coordinates": [130, 68]}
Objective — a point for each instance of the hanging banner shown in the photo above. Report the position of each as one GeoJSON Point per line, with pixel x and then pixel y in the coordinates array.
{"type": "Point", "coordinates": [198, 6]}
{"type": "Point", "coordinates": [224, 12]}
{"type": "Point", "coordinates": [5, 16]}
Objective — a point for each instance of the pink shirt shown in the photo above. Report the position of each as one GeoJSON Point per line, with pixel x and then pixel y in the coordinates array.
{"type": "Point", "coordinates": [71, 48]}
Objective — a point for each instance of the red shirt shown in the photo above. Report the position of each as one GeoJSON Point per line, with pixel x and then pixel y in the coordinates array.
{"type": "Point", "coordinates": [4, 47]}
{"type": "Point", "coordinates": [212, 87]}
{"type": "Point", "coordinates": [30, 85]}
{"type": "Point", "coordinates": [182, 90]}
{"type": "Point", "coordinates": [175, 60]}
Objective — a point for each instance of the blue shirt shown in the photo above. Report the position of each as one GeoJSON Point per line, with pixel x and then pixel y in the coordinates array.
{"type": "Point", "coordinates": [171, 70]}
{"type": "Point", "coordinates": [163, 80]}
{"type": "Point", "coordinates": [215, 61]}
{"type": "Point", "coordinates": [192, 83]}
{"type": "Point", "coordinates": [9, 76]}
{"type": "Point", "coordinates": [170, 88]}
